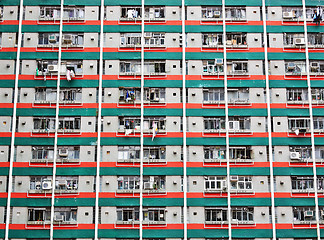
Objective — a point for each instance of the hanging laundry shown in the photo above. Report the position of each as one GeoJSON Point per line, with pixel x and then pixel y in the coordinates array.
{"type": "Point", "coordinates": [72, 73]}
{"type": "Point", "coordinates": [68, 75]}
{"type": "Point", "coordinates": [155, 129]}
{"type": "Point", "coordinates": [128, 131]}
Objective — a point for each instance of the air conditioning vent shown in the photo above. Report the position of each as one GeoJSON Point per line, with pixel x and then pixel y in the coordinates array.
{"type": "Point", "coordinates": [314, 66]}
{"type": "Point", "coordinates": [291, 66]}
{"type": "Point", "coordinates": [218, 61]}
{"type": "Point", "coordinates": [58, 218]}
{"type": "Point", "coordinates": [63, 152]}
{"type": "Point", "coordinates": [217, 14]}
{"type": "Point", "coordinates": [52, 38]}
{"type": "Point", "coordinates": [52, 68]}
{"type": "Point", "coordinates": [308, 213]}
{"type": "Point", "coordinates": [288, 15]}
{"type": "Point", "coordinates": [294, 155]}
{"type": "Point", "coordinates": [67, 38]}
{"type": "Point", "coordinates": [299, 41]}
{"type": "Point", "coordinates": [47, 184]}
{"type": "Point", "coordinates": [148, 185]}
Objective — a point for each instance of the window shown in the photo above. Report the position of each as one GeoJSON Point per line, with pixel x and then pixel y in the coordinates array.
{"type": "Point", "coordinates": [45, 39]}
{"type": "Point", "coordinates": [214, 153]}
{"type": "Point", "coordinates": [302, 183]}
{"type": "Point", "coordinates": [39, 214]}
{"type": "Point", "coordinates": [154, 215]}
{"type": "Point", "coordinates": [65, 215]}
{"type": "Point", "coordinates": [148, 124]}
{"type": "Point", "coordinates": [130, 39]}
{"type": "Point", "coordinates": [46, 124]}
{"type": "Point", "coordinates": [72, 39]}
{"type": "Point", "coordinates": [316, 68]}
{"type": "Point", "coordinates": [242, 214]}
{"type": "Point", "coordinates": [130, 123]}
{"type": "Point", "coordinates": [211, 12]}
{"type": "Point", "coordinates": [298, 124]}
{"type": "Point", "coordinates": [45, 94]}
{"type": "Point", "coordinates": [213, 183]}
{"type": "Point", "coordinates": [40, 183]}
{"type": "Point", "coordinates": [68, 152]}
{"type": "Point", "coordinates": [211, 67]}
{"type": "Point", "coordinates": [49, 13]}
{"type": "Point", "coordinates": [318, 94]}
{"type": "Point", "coordinates": [240, 153]}
{"type": "Point", "coordinates": [315, 40]}
{"type": "Point", "coordinates": [302, 214]}
{"type": "Point", "coordinates": [241, 183]}
{"type": "Point", "coordinates": [295, 68]}
{"type": "Point", "coordinates": [129, 94]}
{"type": "Point", "coordinates": [238, 95]}
{"type": "Point", "coordinates": [127, 214]}
{"type": "Point", "coordinates": [213, 95]}
{"type": "Point", "coordinates": [153, 13]}
{"type": "Point", "coordinates": [302, 153]}
{"type": "Point", "coordinates": [212, 39]}
{"type": "Point", "coordinates": [236, 40]}
{"type": "Point", "coordinates": [70, 95]}
{"type": "Point", "coordinates": [239, 123]}
{"type": "Point", "coordinates": [154, 39]}
{"type": "Point", "coordinates": [319, 153]}
{"type": "Point", "coordinates": [294, 39]}
{"type": "Point", "coordinates": [215, 214]}
{"type": "Point", "coordinates": [66, 183]}
{"type": "Point", "coordinates": [296, 95]}
{"type": "Point", "coordinates": [131, 13]}
{"type": "Point", "coordinates": [154, 182]}
{"type": "Point", "coordinates": [128, 153]}
{"type": "Point", "coordinates": [50, 67]}
{"type": "Point", "coordinates": [235, 13]}
{"type": "Point", "coordinates": [69, 123]}
{"type": "Point", "coordinates": [43, 152]}
{"type": "Point", "coordinates": [128, 182]}
{"type": "Point", "coordinates": [214, 124]}
{"type": "Point", "coordinates": [320, 183]}
{"type": "Point", "coordinates": [296, 13]}
{"type": "Point", "coordinates": [150, 68]}
{"type": "Point", "coordinates": [237, 67]}
{"type": "Point", "coordinates": [73, 13]}
{"type": "Point", "coordinates": [154, 94]}
{"type": "Point", "coordinates": [151, 153]}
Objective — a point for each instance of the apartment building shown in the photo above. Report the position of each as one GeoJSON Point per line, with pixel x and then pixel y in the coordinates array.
{"type": "Point", "coordinates": [132, 120]}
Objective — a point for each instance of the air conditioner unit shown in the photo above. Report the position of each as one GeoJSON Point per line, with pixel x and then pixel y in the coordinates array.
{"type": "Point", "coordinates": [294, 155]}
{"type": "Point", "coordinates": [234, 178]}
{"type": "Point", "coordinates": [288, 15]}
{"type": "Point", "coordinates": [218, 61]}
{"type": "Point", "coordinates": [291, 66]}
{"type": "Point", "coordinates": [308, 213]}
{"type": "Point", "coordinates": [234, 125]}
{"type": "Point", "coordinates": [58, 218]}
{"type": "Point", "coordinates": [47, 184]}
{"type": "Point", "coordinates": [67, 38]}
{"type": "Point", "coordinates": [314, 66]}
{"type": "Point", "coordinates": [147, 34]}
{"type": "Point", "coordinates": [63, 152]}
{"type": "Point", "coordinates": [52, 68]}
{"type": "Point", "coordinates": [217, 14]}
{"type": "Point", "coordinates": [52, 38]}
{"type": "Point", "coordinates": [148, 185]}
{"type": "Point", "coordinates": [299, 41]}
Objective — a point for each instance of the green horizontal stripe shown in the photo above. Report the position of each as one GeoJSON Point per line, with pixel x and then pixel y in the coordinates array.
{"type": "Point", "coordinates": [294, 202]}
{"type": "Point", "coordinates": [86, 83]}
{"type": "Point", "coordinates": [136, 141]}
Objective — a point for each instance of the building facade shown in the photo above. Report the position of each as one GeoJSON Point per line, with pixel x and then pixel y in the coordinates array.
{"type": "Point", "coordinates": [127, 120]}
